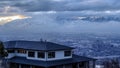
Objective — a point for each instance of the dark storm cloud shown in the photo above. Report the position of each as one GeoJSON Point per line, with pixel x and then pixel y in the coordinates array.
{"type": "Point", "coordinates": [41, 5]}
{"type": "Point", "coordinates": [63, 5]}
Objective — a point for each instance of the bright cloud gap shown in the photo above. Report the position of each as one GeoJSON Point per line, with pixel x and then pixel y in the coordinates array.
{"type": "Point", "coordinates": [7, 19]}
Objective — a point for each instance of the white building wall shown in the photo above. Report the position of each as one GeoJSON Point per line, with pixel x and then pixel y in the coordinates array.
{"type": "Point", "coordinates": [10, 55]}
{"type": "Point", "coordinates": [59, 55]}
{"type": "Point", "coordinates": [20, 54]}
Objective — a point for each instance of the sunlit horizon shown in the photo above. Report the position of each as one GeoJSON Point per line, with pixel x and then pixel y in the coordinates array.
{"type": "Point", "coordinates": [7, 19]}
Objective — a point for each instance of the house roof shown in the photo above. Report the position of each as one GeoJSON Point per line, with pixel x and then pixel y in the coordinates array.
{"type": "Point", "coordinates": [75, 59]}
{"type": "Point", "coordinates": [35, 45]}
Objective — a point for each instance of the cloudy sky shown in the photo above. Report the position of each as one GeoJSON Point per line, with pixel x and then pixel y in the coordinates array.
{"type": "Point", "coordinates": [44, 15]}
{"type": "Point", "coordinates": [61, 5]}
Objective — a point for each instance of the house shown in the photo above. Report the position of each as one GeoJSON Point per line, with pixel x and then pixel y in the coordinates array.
{"type": "Point", "coordinates": [43, 54]}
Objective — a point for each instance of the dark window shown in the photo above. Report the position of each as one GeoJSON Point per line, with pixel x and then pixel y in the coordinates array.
{"type": "Point", "coordinates": [82, 64]}
{"type": "Point", "coordinates": [25, 66]}
{"type": "Point", "coordinates": [21, 51]}
{"type": "Point", "coordinates": [41, 54]}
{"type": "Point", "coordinates": [31, 54]}
{"type": "Point", "coordinates": [13, 65]}
{"type": "Point", "coordinates": [51, 54]}
{"type": "Point", "coordinates": [11, 51]}
{"type": "Point", "coordinates": [67, 53]}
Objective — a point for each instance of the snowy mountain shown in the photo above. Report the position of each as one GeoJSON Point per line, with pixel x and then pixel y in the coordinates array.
{"type": "Point", "coordinates": [61, 22]}
{"type": "Point", "coordinates": [91, 19]}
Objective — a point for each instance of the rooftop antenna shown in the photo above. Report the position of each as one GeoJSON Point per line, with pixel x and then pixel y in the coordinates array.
{"type": "Point", "coordinates": [45, 40]}
{"type": "Point", "coordinates": [41, 40]}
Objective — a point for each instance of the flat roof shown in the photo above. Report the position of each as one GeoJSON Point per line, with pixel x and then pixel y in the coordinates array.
{"type": "Point", "coordinates": [35, 45]}
{"type": "Point", "coordinates": [75, 59]}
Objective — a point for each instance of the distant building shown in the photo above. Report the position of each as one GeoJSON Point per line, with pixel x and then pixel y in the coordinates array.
{"type": "Point", "coordinates": [43, 54]}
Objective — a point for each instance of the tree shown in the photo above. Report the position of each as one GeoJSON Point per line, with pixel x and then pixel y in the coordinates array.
{"type": "Point", "coordinates": [3, 53]}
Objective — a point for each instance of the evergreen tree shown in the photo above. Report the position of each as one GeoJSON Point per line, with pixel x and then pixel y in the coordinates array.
{"type": "Point", "coordinates": [3, 54]}
{"type": "Point", "coordinates": [2, 50]}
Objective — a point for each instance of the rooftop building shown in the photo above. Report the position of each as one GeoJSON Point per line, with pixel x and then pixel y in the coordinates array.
{"type": "Point", "coordinates": [43, 54]}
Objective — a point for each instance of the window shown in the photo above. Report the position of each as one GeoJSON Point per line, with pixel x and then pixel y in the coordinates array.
{"type": "Point", "coordinates": [51, 54]}
{"type": "Point", "coordinates": [11, 51]}
{"type": "Point", "coordinates": [82, 64]}
{"type": "Point", "coordinates": [21, 51]}
{"type": "Point", "coordinates": [41, 54]}
{"type": "Point", "coordinates": [24, 66]}
{"type": "Point", "coordinates": [31, 54]}
{"type": "Point", "coordinates": [67, 53]}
